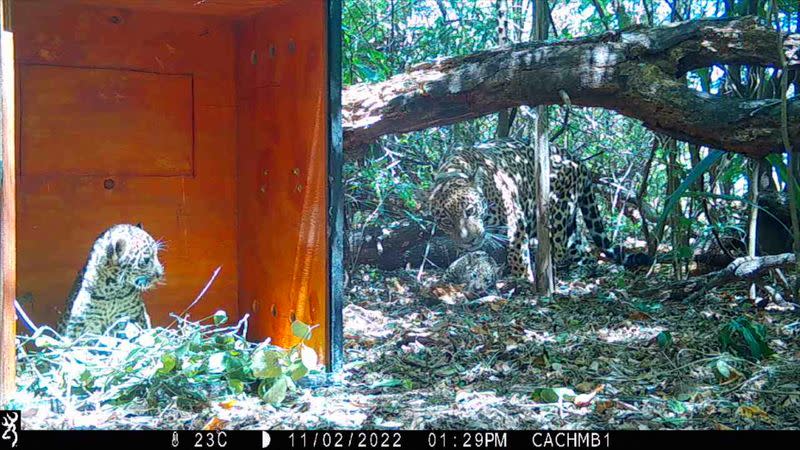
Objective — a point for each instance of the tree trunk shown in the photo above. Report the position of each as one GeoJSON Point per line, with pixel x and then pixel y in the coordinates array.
{"type": "Point", "coordinates": [752, 230]}
{"type": "Point", "coordinates": [505, 118]}
{"type": "Point", "coordinates": [636, 73]}
{"type": "Point", "coordinates": [545, 283]}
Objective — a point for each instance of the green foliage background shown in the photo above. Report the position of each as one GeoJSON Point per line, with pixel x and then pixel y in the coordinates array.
{"type": "Point", "coordinates": [385, 37]}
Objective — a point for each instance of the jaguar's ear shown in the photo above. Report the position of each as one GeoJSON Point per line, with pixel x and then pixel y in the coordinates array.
{"type": "Point", "coordinates": [115, 250]}
{"type": "Point", "coordinates": [139, 225]}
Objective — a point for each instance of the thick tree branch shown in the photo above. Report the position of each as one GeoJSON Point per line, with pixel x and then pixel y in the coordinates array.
{"type": "Point", "coordinates": [634, 72]}
{"type": "Point", "coordinates": [748, 268]}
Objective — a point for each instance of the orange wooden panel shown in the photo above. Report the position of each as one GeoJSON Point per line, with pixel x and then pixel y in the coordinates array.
{"type": "Point", "coordinates": [59, 215]}
{"type": "Point", "coordinates": [233, 8]}
{"type": "Point", "coordinates": [8, 234]}
{"type": "Point", "coordinates": [247, 61]}
{"type": "Point", "coordinates": [56, 233]}
{"type": "Point", "coordinates": [64, 34]}
{"type": "Point", "coordinates": [283, 247]}
{"type": "Point", "coordinates": [117, 122]}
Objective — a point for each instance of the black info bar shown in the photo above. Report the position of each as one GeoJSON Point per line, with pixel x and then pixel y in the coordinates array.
{"type": "Point", "coordinates": [388, 439]}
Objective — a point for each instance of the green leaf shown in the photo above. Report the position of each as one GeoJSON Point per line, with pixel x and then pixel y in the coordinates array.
{"type": "Point", "coordinates": [266, 363]}
{"type": "Point", "coordinates": [301, 330]}
{"type": "Point", "coordinates": [547, 395]}
{"type": "Point", "coordinates": [388, 382]}
{"type": "Point", "coordinates": [722, 370]}
{"type": "Point", "coordinates": [236, 385]}
{"type": "Point", "coordinates": [233, 364]}
{"type": "Point", "coordinates": [290, 384]}
{"type": "Point", "coordinates": [745, 338]}
{"type": "Point", "coordinates": [224, 342]}
{"type": "Point", "coordinates": [695, 174]}
{"type": "Point", "coordinates": [220, 317]}
{"type": "Point", "coordinates": [277, 393]}
{"type": "Point", "coordinates": [677, 407]}
{"type": "Point", "coordinates": [192, 369]}
{"type": "Point", "coordinates": [298, 371]}
{"type": "Point", "coordinates": [168, 363]}
{"type": "Point", "coordinates": [664, 340]}
{"type": "Point", "coordinates": [216, 362]}
{"type": "Point", "coordinates": [776, 159]}
{"type": "Point", "coordinates": [674, 421]}
{"type": "Point", "coordinates": [309, 357]}
{"type": "Point", "coordinates": [86, 379]}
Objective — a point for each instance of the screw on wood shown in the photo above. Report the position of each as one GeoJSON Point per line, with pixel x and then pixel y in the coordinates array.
{"type": "Point", "coordinates": [109, 183]}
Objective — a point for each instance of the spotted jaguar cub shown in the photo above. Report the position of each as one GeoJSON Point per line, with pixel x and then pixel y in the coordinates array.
{"type": "Point", "coordinates": [477, 271]}
{"type": "Point", "coordinates": [123, 263]}
{"type": "Point", "coordinates": [488, 192]}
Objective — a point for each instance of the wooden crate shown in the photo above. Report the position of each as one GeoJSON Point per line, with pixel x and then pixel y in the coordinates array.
{"type": "Point", "coordinates": [215, 124]}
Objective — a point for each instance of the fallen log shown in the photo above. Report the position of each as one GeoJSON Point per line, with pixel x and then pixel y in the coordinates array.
{"type": "Point", "coordinates": [405, 247]}
{"type": "Point", "coordinates": [636, 72]}
{"type": "Point", "coordinates": [747, 268]}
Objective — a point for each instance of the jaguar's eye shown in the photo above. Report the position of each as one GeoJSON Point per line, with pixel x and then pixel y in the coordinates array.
{"type": "Point", "coordinates": [470, 211]}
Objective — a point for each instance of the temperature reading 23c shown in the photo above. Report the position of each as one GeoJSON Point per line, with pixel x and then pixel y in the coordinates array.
{"type": "Point", "coordinates": [468, 439]}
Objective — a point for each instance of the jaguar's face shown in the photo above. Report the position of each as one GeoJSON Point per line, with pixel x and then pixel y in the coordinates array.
{"type": "Point", "coordinates": [146, 270]}
{"type": "Point", "coordinates": [458, 208]}
{"type": "Point", "coordinates": [135, 253]}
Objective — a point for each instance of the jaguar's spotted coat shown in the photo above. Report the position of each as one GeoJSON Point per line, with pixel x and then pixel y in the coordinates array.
{"type": "Point", "coordinates": [477, 271]}
{"type": "Point", "coordinates": [123, 263]}
{"type": "Point", "coordinates": [487, 191]}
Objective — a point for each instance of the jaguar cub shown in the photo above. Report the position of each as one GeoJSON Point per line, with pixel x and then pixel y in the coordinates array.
{"type": "Point", "coordinates": [488, 192]}
{"type": "Point", "coordinates": [477, 271]}
{"type": "Point", "coordinates": [123, 263]}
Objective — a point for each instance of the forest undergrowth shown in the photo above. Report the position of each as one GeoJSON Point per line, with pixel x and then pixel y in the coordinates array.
{"type": "Point", "coordinates": [419, 355]}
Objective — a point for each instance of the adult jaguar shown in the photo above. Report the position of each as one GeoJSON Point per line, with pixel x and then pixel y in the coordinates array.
{"type": "Point", "coordinates": [488, 191]}
{"type": "Point", "coordinates": [122, 264]}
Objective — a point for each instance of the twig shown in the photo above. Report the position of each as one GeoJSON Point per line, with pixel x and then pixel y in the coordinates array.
{"type": "Point", "coordinates": [25, 319]}
{"type": "Point", "coordinates": [425, 256]}
{"type": "Point", "coordinates": [652, 246]}
{"type": "Point", "coordinates": [367, 221]}
{"type": "Point", "coordinates": [199, 296]}
{"type": "Point", "coordinates": [602, 14]}
{"type": "Point", "coordinates": [565, 122]}
{"type": "Point", "coordinates": [784, 282]}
